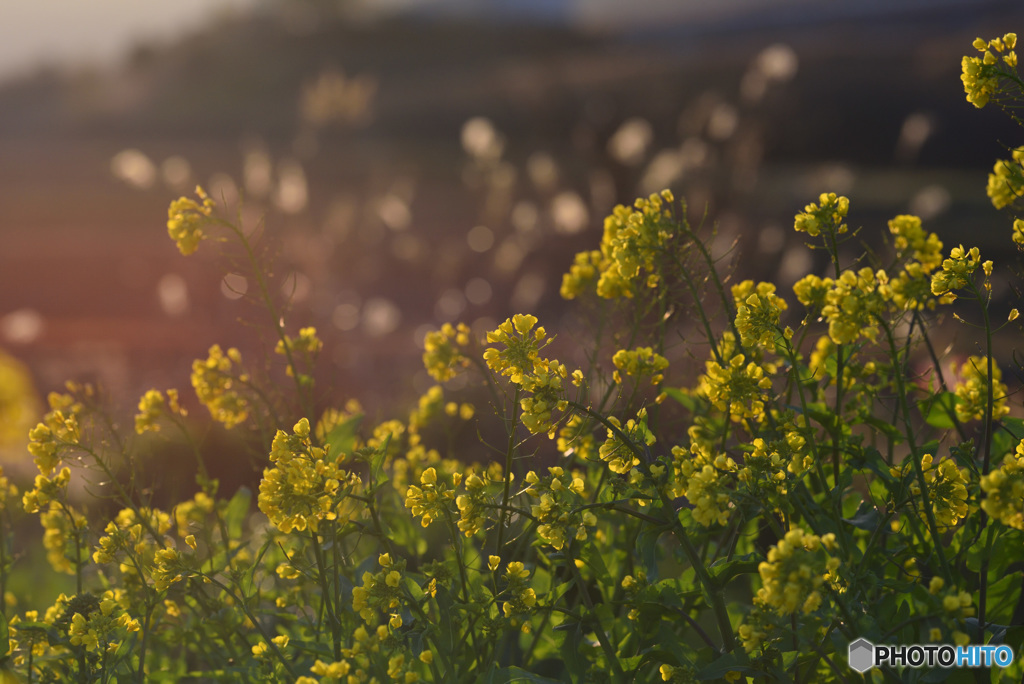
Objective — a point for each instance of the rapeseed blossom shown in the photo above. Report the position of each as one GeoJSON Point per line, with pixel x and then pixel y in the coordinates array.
{"type": "Point", "coordinates": [631, 246]}
{"type": "Point", "coordinates": [738, 388]}
{"type": "Point", "coordinates": [1004, 490]}
{"type": "Point", "coordinates": [796, 571]}
{"type": "Point", "coordinates": [972, 390]}
{"type": "Point", "coordinates": [638, 363]}
{"type": "Point", "coordinates": [215, 385]}
{"type": "Point", "coordinates": [305, 487]}
{"type": "Point", "coordinates": [186, 218]}
{"type": "Point", "coordinates": [947, 489]}
{"type": "Point", "coordinates": [706, 480]}
{"type": "Point", "coordinates": [758, 310]}
{"type": "Point", "coordinates": [828, 216]}
{"type": "Point", "coordinates": [957, 270]}
{"type": "Point", "coordinates": [1006, 182]}
{"type": "Point", "coordinates": [981, 75]}
{"type": "Point", "coordinates": [443, 349]}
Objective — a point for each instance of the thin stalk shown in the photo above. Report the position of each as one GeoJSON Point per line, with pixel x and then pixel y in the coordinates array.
{"type": "Point", "coordinates": [915, 458]}
{"type": "Point", "coordinates": [602, 638]}
{"type": "Point", "coordinates": [510, 453]}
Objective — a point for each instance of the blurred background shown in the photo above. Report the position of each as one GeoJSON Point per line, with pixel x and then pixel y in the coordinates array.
{"type": "Point", "coordinates": [419, 161]}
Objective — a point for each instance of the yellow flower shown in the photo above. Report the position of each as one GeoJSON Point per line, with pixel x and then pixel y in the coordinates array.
{"type": "Point", "coordinates": [738, 388]}
{"type": "Point", "coordinates": [638, 363]}
{"type": "Point", "coordinates": [796, 570]}
{"type": "Point", "coordinates": [758, 310]}
{"type": "Point", "coordinates": [972, 390]}
{"type": "Point", "coordinates": [1006, 182]}
{"type": "Point", "coordinates": [631, 246]}
{"type": "Point", "coordinates": [1004, 490]}
{"type": "Point", "coordinates": [215, 384]}
{"type": "Point", "coordinates": [827, 215]}
{"type": "Point", "coordinates": [443, 349]}
{"type": "Point", "coordinates": [186, 218]}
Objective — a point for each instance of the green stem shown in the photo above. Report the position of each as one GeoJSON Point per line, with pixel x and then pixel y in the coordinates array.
{"type": "Point", "coordinates": [602, 638]}
{"type": "Point", "coordinates": [915, 457]}
{"type": "Point", "coordinates": [510, 452]}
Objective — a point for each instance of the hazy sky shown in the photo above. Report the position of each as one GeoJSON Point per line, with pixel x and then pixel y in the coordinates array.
{"type": "Point", "coordinates": [34, 32]}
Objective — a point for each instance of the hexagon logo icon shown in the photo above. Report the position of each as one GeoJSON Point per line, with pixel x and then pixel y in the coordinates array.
{"type": "Point", "coordinates": [862, 655]}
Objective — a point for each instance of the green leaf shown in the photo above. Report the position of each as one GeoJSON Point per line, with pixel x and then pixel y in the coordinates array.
{"type": "Point", "coordinates": [236, 512]}
{"type": "Point", "coordinates": [647, 550]}
{"type": "Point", "coordinates": [592, 558]}
{"type": "Point", "coordinates": [866, 518]}
{"type": "Point", "coordinates": [723, 571]}
{"type": "Point", "coordinates": [1015, 426]}
{"type": "Point", "coordinates": [377, 474]}
{"type": "Point", "coordinates": [729, 662]}
{"type": "Point", "coordinates": [342, 437]}
{"type": "Point", "coordinates": [939, 410]}
{"type": "Point", "coordinates": [571, 651]}
{"type": "Point", "coordinates": [887, 429]}
{"type": "Point", "coordinates": [686, 400]}
{"type": "Point", "coordinates": [514, 675]}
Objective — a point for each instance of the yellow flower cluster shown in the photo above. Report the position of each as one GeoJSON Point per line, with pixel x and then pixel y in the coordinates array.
{"type": "Point", "coordinates": [957, 270]}
{"type": "Point", "coordinates": [58, 432]}
{"type": "Point", "coordinates": [911, 288]}
{"type": "Point", "coordinates": [18, 402]}
{"type": "Point", "coordinates": [443, 349]}
{"type": "Point", "coordinates": [214, 383]}
{"type": "Point", "coordinates": [639, 363]}
{"type": "Point", "coordinates": [828, 216]}
{"type": "Point", "coordinates": [704, 479]}
{"type": "Point", "coordinates": [186, 218]}
{"type": "Point", "coordinates": [307, 345]}
{"type": "Point", "coordinates": [522, 599]}
{"type": "Point", "coordinates": [431, 499]}
{"type": "Point", "coordinates": [7, 490]}
{"type": "Point", "coordinates": [616, 452]}
{"type": "Point", "coordinates": [1018, 231]}
{"type": "Point", "coordinates": [380, 591]}
{"type": "Point", "coordinates": [521, 356]}
{"type": "Point", "coordinates": [738, 388]}
{"type": "Point", "coordinates": [97, 629]}
{"type": "Point", "coordinates": [980, 75]}
{"type": "Point", "coordinates": [1006, 182]}
{"type": "Point", "coordinates": [764, 469]}
{"type": "Point", "coordinates": [633, 240]}
{"type": "Point", "coordinates": [853, 304]}
{"type": "Point", "coordinates": [134, 542]}
{"type": "Point", "coordinates": [472, 504]}
{"type": "Point", "coordinates": [582, 274]}
{"type": "Point", "coordinates": [947, 489]}
{"type": "Point", "coordinates": [758, 310]}
{"type": "Point", "coordinates": [796, 570]}
{"type": "Point", "coordinates": [1004, 490]}
{"type": "Point", "coordinates": [911, 240]}
{"type": "Point", "coordinates": [575, 438]}
{"type": "Point", "coordinates": [558, 495]}
{"type": "Point", "coordinates": [62, 537]}
{"type": "Point", "coordinates": [152, 406]}
{"type": "Point", "coordinates": [305, 487]}
{"type": "Point", "coordinates": [190, 516]}
{"type": "Point", "coordinates": [521, 361]}
{"type": "Point", "coordinates": [972, 390]}
{"type": "Point", "coordinates": [169, 567]}
{"type": "Point", "coordinates": [47, 488]}
{"type": "Point", "coordinates": [811, 291]}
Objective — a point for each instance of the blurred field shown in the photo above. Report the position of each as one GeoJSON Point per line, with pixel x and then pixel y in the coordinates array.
{"type": "Point", "coordinates": [417, 171]}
